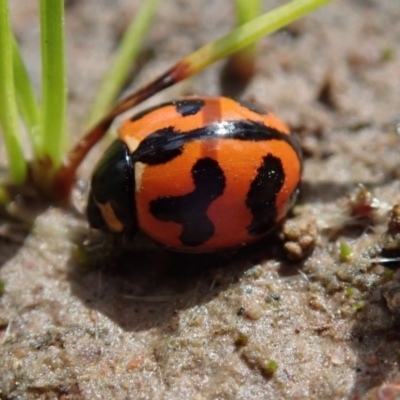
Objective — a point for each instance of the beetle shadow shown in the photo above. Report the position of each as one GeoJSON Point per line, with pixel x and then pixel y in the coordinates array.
{"type": "Point", "coordinates": [146, 286]}
{"type": "Point", "coordinates": [9, 246]}
{"type": "Point", "coordinates": [17, 219]}
{"type": "Point", "coordinates": [141, 289]}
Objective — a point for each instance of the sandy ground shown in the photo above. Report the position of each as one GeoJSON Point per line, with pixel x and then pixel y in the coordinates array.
{"type": "Point", "coordinates": [147, 324]}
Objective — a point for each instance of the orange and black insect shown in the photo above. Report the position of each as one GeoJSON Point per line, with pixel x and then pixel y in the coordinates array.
{"type": "Point", "coordinates": [197, 174]}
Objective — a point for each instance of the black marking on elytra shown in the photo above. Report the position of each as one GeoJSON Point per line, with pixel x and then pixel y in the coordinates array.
{"type": "Point", "coordinates": [252, 107]}
{"type": "Point", "coordinates": [165, 144]}
{"type": "Point", "coordinates": [113, 182]}
{"type": "Point", "coordinates": [261, 198]}
{"type": "Point", "coordinates": [189, 107]}
{"type": "Point", "coordinates": [184, 107]}
{"type": "Point", "coordinates": [190, 210]}
{"type": "Point", "coordinates": [159, 147]}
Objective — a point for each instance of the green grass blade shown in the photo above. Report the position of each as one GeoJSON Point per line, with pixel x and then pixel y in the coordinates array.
{"type": "Point", "coordinates": [185, 68]}
{"type": "Point", "coordinates": [249, 33]}
{"type": "Point", "coordinates": [54, 90]}
{"type": "Point", "coordinates": [242, 63]}
{"type": "Point", "coordinates": [246, 10]}
{"type": "Point", "coordinates": [127, 52]}
{"type": "Point", "coordinates": [8, 110]}
{"type": "Point", "coordinates": [26, 99]}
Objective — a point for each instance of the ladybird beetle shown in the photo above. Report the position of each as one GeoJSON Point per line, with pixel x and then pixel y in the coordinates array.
{"type": "Point", "coordinates": [197, 174]}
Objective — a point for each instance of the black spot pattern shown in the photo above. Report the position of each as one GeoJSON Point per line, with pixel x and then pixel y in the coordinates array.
{"type": "Point", "coordinates": [159, 147]}
{"type": "Point", "coordinates": [189, 106]}
{"type": "Point", "coordinates": [190, 210]}
{"type": "Point", "coordinates": [262, 195]}
{"type": "Point", "coordinates": [184, 107]}
{"type": "Point", "coordinates": [165, 144]}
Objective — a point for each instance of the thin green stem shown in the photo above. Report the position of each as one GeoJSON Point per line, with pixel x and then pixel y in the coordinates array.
{"type": "Point", "coordinates": [185, 68]}
{"type": "Point", "coordinates": [126, 54]}
{"type": "Point", "coordinates": [54, 90]}
{"type": "Point", "coordinates": [26, 99]}
{"type": "Point", "coordinates": [8, 109]}
{"type": "Point", "coordinates": [247, 10]}
{"type": "Point", "coordinates": [250, 32]}
{"type": "Point", "coordinates": [242, 63]}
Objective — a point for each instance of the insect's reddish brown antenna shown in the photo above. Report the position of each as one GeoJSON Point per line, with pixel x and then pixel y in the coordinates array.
{"type": "Point", "coordinates": [65, 176]}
